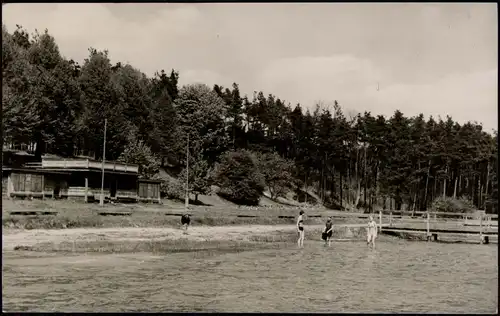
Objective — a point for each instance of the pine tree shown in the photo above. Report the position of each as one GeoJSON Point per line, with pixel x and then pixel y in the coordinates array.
{"type": "Point", "coordinates": [162, 114]}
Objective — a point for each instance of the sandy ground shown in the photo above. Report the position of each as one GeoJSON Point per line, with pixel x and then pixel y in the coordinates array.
{"type": "Point", "coordinates": [12, 238]}
{"type": "Point", "coordinates": [18, 237]}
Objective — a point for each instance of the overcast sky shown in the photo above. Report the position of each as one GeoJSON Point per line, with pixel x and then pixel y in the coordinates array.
{"type": "Point", "coordinates": [437, 59]}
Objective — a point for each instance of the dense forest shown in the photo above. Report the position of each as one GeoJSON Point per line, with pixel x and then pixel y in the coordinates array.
{"type": "Point", "coordinates": [242, 144]}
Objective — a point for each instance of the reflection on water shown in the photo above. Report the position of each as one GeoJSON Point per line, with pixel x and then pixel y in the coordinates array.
{"type": "Point", "coordinates": [398, 276]}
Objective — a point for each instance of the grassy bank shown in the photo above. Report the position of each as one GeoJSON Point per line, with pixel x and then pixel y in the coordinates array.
{"type": "Point", "coordinates": [93, 219]}
{"type": "Point", "coordinates": [72, 214]}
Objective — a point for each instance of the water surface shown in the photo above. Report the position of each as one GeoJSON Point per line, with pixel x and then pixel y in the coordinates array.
{"type": "Point", "coordinates": [399, 276]}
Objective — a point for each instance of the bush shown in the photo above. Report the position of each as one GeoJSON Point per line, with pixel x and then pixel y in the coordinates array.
{"type": "Point", "coordinates": [137, 152]}
{"type": "Point", "coordinates": [453, 205]}
{"type": "Point", "coordinates": [199, 172]}
{"type": "Point", "coordinates": [239, 178]}
{"type": "Point", "coordinates": [172, 189]}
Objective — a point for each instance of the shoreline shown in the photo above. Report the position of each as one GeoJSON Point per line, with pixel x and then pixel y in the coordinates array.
{"type": "Point", "coordinates": [14, 237]}
{"type": "Point", "coordinates": [21, 237]}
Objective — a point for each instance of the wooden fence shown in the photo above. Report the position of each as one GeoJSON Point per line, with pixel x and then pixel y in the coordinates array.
{"type": "Point", "coordinates": [479, 218]}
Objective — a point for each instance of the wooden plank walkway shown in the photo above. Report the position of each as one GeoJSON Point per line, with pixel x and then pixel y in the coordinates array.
{"type": "Point", "coordinates": [32, 213]}
{"type": "Point", "coordinates": [445, 231]}
{"type": "Point", "coordinates": [111, 213]}
{"type": "Point", "coordinates": [477, 223]}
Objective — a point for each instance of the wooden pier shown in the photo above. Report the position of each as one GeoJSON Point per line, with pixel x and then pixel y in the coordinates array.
{"type": "Point", "coordinates": [458, 224]}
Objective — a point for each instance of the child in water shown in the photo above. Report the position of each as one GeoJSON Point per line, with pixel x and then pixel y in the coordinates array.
{"type": "Point", "coordinates": [371, 232]}
{"type": "Point", "coordinates": [328, 232]}
{"type": "Point", "coordinates": [300, 229]}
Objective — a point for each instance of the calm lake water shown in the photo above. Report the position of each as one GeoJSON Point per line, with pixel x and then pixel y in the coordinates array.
{"type": "Point", "coordinates": [400, 276]}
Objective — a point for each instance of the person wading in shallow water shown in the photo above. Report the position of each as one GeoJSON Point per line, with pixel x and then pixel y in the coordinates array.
{"type": "Point", "coordinates": [300, 229]}
{"type": "Point", "coordinates": [185, 221]}
{"type": "Point", "coordinates": [328, 232]}
{"type": "Point", "coordinates": [371, 232]}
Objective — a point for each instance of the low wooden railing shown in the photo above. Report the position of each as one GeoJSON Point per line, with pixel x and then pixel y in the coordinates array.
{"type": "Point", "coordinates": [441, 214]}
{"type": "Point", "coordinates": [484, 220]}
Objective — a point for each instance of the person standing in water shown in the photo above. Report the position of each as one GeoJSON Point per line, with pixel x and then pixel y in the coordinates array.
{"type": "Point", "coordinates": [371, 232]}
{"type": "Point", "coordinates": [328, 232]}
{"type": "Point", "coordinates": [300, 229]}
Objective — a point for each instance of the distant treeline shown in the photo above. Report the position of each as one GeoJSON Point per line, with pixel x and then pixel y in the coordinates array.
{"type": "Point", "coordinates": [360, 161]}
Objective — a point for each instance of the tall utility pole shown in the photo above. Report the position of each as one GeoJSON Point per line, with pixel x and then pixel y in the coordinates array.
{"type": "Point", "coordinates": [187, 174]}
{"type": "Point", "coordinates": [101, 202]}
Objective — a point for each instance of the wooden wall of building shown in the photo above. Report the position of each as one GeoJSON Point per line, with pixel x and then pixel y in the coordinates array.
{"type": "Point", "coordinates": [149, 191]}
{"type": "Point", "coordinates": [28, 184]}
{"type": "Point", "coordinates": [24, 183]}
{"type": "Point", "coordinates": [5, 180]}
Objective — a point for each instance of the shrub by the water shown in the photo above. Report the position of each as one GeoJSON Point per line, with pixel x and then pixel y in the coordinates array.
{"type": "Point", "coordinates": [452, 205]}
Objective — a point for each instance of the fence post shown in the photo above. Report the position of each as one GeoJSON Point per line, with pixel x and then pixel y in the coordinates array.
{"type": "Point", "coordinates": [380, 220]}
{"type": "Point", "coordinates": [481, 227]}
{"type": "Point", "coordinates": [43, 187]}
{"type": "Point", "coordinates": [428, 225]}
{"type": "Point", "coordinates": [390, 218]}
{"type": "Point", "coordinates": [86, 188]}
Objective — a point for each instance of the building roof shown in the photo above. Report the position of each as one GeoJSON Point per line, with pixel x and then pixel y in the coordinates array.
{"type": "Point", "coordinates": [55, 165]}
{"type": "Point", "coordinates": [35, 170]}
{"type": "Point", "coordinates": [87, 164]}
{"type": "Point", "coordinates": [89, 170]}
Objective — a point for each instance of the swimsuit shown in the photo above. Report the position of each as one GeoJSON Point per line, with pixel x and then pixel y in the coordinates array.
{"type": "Point", "coordinates": [372, 231]}
{"type": "Point", "coordinates": [185, 220]}
{"type": "Point", "coordinates": [300, 223]}
{"type": "Point", "coordinates": [328, 227]}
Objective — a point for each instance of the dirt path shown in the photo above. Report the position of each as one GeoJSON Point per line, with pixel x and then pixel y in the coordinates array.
{"type": "Point", "coordinates": [12, 238]}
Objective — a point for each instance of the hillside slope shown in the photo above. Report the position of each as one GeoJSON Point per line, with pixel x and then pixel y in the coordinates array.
{"type": "Point", "coordinates": [217, 201]}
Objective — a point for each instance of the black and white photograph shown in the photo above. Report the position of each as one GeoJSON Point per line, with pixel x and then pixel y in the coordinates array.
{"type": "Point", "coordinates": [250, 157]}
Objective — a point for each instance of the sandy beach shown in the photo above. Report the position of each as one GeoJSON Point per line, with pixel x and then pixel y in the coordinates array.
{"type": "Point", "coordinates": [12, 237]}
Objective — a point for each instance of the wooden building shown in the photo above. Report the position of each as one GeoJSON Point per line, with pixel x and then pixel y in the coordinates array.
{"type": "Point", "coordinates": [149, 190]}
{"type": "Point", "coordinates": [79, 179]}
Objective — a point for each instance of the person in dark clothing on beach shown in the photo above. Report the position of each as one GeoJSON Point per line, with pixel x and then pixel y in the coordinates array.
{"type": "Point", "coordinates": [328, 232]}
{"type": "Point", "coordinates": [185, 221]}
